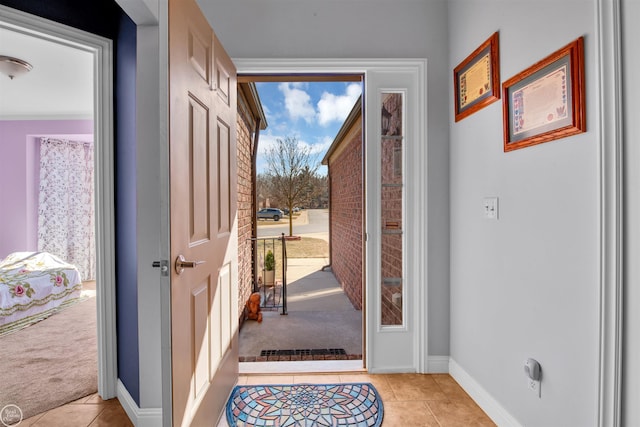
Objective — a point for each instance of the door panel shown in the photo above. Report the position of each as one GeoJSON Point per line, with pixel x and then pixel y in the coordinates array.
{"type": "Point", "coordinates": [223, 168]}
{"type": "Point", "coordinates": [223, 306]}
{"type": "Point", "coordinates": [200, 326]}
{"type": "Point", "coordinates": [225, 79]}
{"type": "Point", "coordinates": [200, 55]}
{"type": "Point", "coordinates": [204, 320]}
{"type": "Point", "coordinates": [199, 189]}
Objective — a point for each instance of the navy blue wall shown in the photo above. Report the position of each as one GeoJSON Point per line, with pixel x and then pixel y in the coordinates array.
{"type": "Point", "coordinates": [126, 235]}
{"type": "Point", "coordinates": [105, 18]}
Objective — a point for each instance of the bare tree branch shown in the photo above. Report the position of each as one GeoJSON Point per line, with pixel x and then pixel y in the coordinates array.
{"type": "Point", "coordinates": [291, 169]}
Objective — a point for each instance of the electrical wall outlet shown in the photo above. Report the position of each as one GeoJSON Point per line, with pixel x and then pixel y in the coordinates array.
{"type": "Point", "coordinates": [490, 207]}
{"type": "Point", "coordinates": [534, 386]}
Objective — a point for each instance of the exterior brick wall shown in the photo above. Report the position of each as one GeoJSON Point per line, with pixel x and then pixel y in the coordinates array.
{"type": "Point", "coordinates": [346, 217]}
{"type": "Point", "coordinates": [245, 126]}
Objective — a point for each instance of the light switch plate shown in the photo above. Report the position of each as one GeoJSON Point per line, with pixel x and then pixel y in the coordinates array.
{"type": "Point", "coordinates": [490, 207]}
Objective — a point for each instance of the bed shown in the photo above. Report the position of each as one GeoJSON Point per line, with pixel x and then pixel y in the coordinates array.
{"type": "Point", "coordinates": [33, 285]}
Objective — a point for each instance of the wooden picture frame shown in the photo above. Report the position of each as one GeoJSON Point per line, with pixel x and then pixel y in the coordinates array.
{"type": "Point", "coordinates": [476, 80]}
{"type": "Point", "coordinates": [546, 101]}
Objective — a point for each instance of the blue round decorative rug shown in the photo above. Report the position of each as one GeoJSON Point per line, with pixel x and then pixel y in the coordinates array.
{"type": "Point", "coordinates": [302, 405]}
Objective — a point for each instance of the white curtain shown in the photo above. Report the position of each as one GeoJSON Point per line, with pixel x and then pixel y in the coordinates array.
{"type": "Point", "coordinates": [65, 209]}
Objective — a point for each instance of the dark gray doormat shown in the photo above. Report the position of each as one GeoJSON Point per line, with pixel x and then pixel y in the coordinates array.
{"type": "Point", "coordinates": [301, 354]}
{"type": "Point", "coordinates": [309, 351]}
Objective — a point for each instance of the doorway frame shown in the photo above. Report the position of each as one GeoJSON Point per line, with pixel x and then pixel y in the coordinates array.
{"type": "Point", "coordinates": [102, 51]}
{"type": "Point", "coordinates": [337, 66]}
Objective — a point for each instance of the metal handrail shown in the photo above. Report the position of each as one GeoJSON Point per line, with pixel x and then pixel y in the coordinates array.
{"type": "Point", "coordinates": [269, 243]}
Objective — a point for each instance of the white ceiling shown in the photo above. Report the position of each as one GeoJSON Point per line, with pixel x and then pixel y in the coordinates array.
{"type": "Point", "coordinates": [60, 86]}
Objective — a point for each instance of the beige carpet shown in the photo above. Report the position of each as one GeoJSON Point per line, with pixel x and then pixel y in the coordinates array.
{"type": "Point", "coordinates": [52, 362]}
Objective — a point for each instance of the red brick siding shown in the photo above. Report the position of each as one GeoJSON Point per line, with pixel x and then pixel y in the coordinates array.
{"type": "Point", "coordinates": [245, 125]}
{"type": "Point", "coordinates": [346, 218]}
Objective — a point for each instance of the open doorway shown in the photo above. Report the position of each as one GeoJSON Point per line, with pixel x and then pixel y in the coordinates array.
{"type": "Point", "coordinates": [85, 120]}
{"type": "Point", "coordinates": [51, 138]}
{"type": "Point", "coordinates": [305, 117]}
{"type": "Point", "coordinates": [383, 80]}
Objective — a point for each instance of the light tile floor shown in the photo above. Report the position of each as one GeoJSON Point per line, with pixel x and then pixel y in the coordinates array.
{"type": "Point", "coordinates": [89, 411]}
{"type": "Point", "coordinates": [409, 400]}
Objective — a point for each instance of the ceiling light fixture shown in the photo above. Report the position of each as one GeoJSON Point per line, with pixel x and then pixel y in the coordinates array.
{"type": "Point", "coordinates": [13, 67]}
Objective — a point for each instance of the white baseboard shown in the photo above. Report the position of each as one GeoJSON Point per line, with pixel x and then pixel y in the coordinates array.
{"type": "Point", "coordinates": [395, 370]}
{"type": "Point", "coordinates": [435, 365]}
{"type": "Point", "coordinates": [438, 365]}
{"type": "Point", "coordinates": [492, 407]}
{"type": "Point", "coordinates": [140, 417]}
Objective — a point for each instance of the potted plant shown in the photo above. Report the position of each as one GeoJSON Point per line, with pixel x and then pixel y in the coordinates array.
{"type": "Point", "coordinates": [269, 269]}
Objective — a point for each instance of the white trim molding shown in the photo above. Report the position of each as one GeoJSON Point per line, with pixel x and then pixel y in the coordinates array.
{"type": "Point", "coordinates": [489, 405]}
{"type": "Point", "coordinates": [438, 365]}
{"type": "Point", "coordinates": [266, 66]}
{"type": "Point", "coordinates": [609, 93]}
{"type": "Point", "coordinates": [140, 417]}
{"type": "Point", "coordinates": [102, 51]}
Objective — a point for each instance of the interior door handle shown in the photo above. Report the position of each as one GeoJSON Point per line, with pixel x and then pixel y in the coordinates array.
{"type": "Point", "coordinates": [182, 263]}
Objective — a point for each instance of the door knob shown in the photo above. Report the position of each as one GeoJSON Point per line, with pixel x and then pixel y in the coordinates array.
{"type": "Point", "coordinates": [182, 263]}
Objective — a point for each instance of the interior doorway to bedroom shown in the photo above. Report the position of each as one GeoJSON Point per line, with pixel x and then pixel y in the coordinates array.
{"type": "Point", "coordinates": [47, 123]}
{"type": "Point", "coordinates": [303, 122]}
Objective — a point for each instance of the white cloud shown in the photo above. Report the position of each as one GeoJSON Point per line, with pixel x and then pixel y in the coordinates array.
{"type": "Point", "coordinates": [267, 113]}
{"type": "Point", "coordinates": [322, 146]}
{"type": "Point", "coordinates": [297, 102]}
{"type": "Point", "coordinates": [266, 141]}
{"type": "Point", "coordinates": [337, 107]}
{"type": "Point", "coordinates": [269, 140]}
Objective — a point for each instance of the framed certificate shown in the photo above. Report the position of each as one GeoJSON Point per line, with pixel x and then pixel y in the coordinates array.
{"type": "Point", "coordinates": [476, 80]}
{"type": "Point", "coordinates": [547, 100]}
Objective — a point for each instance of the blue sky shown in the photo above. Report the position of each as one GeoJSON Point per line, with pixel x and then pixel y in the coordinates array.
{"type": "Point", "coordinates": [313, 112]}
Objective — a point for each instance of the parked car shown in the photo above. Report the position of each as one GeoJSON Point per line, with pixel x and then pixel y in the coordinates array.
{"type": "Point", "coordinates": [270, 213]}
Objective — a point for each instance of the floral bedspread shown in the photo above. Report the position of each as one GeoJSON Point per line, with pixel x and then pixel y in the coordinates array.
{"type": "Point", "coordinates": [34, 282]}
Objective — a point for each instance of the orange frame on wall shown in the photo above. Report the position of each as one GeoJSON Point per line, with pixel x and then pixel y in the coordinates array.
{"type": "Point", "coordinates": [476, 80]}
{"type": "Point", "coordinates": [547, 100]}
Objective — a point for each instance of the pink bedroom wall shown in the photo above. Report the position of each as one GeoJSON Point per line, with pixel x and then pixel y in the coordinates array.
{"type": "Point", "coordinates": [19, 175]}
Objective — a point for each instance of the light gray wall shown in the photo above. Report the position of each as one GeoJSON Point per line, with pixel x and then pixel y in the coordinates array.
{"type": "Point", "coordinates": [363, 29]}
{"type": "Point", "coordinates": [527, 284]}
{"type": "Point", "coordinates": [631, 91]}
